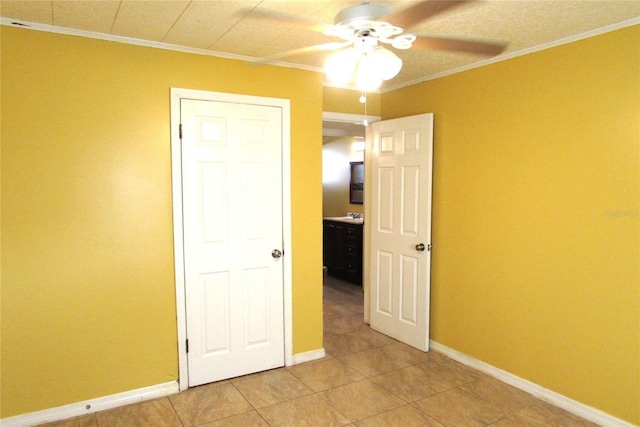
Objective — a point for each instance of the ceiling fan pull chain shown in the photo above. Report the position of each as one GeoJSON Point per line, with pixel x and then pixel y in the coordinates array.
{"type": "Point", "coordinates": [363, 99]}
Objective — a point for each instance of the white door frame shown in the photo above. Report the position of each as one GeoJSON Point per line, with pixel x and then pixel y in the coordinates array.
{"type": "Point", "coordinates": [178, 243]}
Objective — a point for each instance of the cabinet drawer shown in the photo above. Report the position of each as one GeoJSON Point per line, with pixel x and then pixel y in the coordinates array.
{"type": "Point", "coordinates": [353, 265]}
{"type": "Point", "coordinates": [352, 232]}
{"type": "Point", "coordinates": [343, 250]}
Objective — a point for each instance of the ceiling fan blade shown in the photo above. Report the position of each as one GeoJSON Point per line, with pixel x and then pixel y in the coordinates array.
{"type": "Point", "coordinates": [407, 18]}
{"type": "Point", "coordinates": [285, 18]}
{"type": "Point", "coordinates": [304, 50]}
{"type": "Point", "coordinates": [459, 45]}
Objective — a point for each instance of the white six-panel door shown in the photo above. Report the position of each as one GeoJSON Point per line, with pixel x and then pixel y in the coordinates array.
{"type": "Point", "coordinates": [232, 216]}
{"type": "Point", "coordinates": [400, 216]}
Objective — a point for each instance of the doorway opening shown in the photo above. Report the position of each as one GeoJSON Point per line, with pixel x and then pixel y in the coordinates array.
{"type": "Point", "coordinates": [396, 256]}
{"type": "Point", "coordinates": [343, 292]}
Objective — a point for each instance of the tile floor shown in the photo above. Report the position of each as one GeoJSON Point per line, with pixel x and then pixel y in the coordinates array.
{"type": "Point", "coordinates": [366, 379]}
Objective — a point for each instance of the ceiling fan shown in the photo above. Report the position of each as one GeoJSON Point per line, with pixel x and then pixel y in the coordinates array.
{"type": "Point", "coordinates": [363, 28]}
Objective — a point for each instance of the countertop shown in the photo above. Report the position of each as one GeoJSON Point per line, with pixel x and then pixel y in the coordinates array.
{"type": "Point", "coordinates": [346, 219]}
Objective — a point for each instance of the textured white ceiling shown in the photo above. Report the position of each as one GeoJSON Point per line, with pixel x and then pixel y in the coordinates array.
{"type": "Point", "coordinates": [222, 26]}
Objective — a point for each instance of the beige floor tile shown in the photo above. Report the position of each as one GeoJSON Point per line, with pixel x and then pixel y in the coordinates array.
{"type": "Point", "coordinates": [449, 372]}
{"type": "Point", "coordinates": [304, 411]}
{"type": "Point", "coordinates": [548, 415]}
{"type": "Point", "coordinates": [331, 299]}
{"type": "Point", "coordinates": [361, 399]}
{"type": "Point", "coordinates": [329, 312]}
{"type": "Point", "coordinates": [508, 398]}
{"type": "Point", "coordinates": [271, 387]}
{"type": "Point", "coordinates": [345, 324]}
{"type": "Point", "coordinates": [209, 402]}
{"type": "Point", "coordinates": [404, 416]}
{"type": "Point", "coordinates": [410, 383]}
{"type": "Point", "coordinates": [406, 352]}
{"type": "Point", "coordinates": [457, 408]}
{"type": "Point", "coordinates": [356, 307]}
{"type": "Point", "coordinates": [370, 333]}
{"type": "Point", "coordinates": [151, 413]}
{"type": "Point", "coordinates": [373, 362]}
{"type": "Point", "coordinates": [344, 309]}
{"type": "Point", "coordinates": [88, 420]}
{"type": "Point", "coordinates": [348, 295]}
{"type": "Point", "coordinates": [325, 374]}
{"type": "Point", "coordinates": [342, 344]}
{"type": "Point", "coordinates": [246, 419]}
{"type": "Point", "coordinates": [515, 421]}
{"type": "Point", "coordinates": [347, 288]}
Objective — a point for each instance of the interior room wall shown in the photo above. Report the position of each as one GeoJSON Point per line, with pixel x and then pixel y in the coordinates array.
{"type": "Point", "coordinates": [336, 175]}
{"type": "Point", "coordinates": [536, 260]}
{"type": "Point", "coordinates": [341, 100]}
{"type": "Point", "coordinates": [88, 288]}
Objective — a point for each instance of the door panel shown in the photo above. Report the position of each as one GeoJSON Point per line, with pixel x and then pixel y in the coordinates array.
{"type": "Point", "coordinates": [401, 174]}
{"type": "Point", "coordinates": [385, 190]}
{"type": "Point", "coordinates": [409, 290]}
{"type": "Point", "coordinates": [215, 297]}
{"type": "Point", "coordinates": [232, 220]}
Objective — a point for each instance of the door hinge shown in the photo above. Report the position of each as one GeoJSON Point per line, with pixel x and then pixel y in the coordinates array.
{"type": "Point", "coordinates": [187, 344]}
{"type": "Point", "coordinates": [429, 247]}
{"type": "Point", "coordinates": [180, 130]}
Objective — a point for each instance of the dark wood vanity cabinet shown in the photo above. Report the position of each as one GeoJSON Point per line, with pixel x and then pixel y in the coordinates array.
{"type": "Point", "coordinates": [343, 250]}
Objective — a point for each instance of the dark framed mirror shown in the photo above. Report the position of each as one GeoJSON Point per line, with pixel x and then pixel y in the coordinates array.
{"type": "Point", "coordinates": [356, 185]}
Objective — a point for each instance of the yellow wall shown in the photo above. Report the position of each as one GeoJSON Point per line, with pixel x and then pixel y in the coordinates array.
{"type": "Point", "coordinates": [88, 293]}
{"type": "Point", "coordinates": [536, 266]}
{"type": "Point", "coordinates": [348, 101]}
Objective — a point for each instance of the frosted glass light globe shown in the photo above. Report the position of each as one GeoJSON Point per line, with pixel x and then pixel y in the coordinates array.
{"type": "Point", "coordinates": [341, 65]}
{"type": "Point", "coordinates": [385, 62]}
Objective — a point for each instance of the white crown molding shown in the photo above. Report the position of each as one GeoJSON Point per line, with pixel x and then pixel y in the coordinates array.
{"type": "Point", "coordinates": [507, 56]}
{"type": "Point", "coordinates": [556, 399]}
{"type": "Point", "coordinates": [91, 406]}
{"type": "Point", "coordinates": [197, 51]}
{"type": "Point", "coordinates": [146, 43]}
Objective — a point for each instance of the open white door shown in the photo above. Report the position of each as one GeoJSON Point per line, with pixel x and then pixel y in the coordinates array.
{"type": "Point", "coordinates": [399, 214]}
{"type": "Point", "coordinates": [233, 238]}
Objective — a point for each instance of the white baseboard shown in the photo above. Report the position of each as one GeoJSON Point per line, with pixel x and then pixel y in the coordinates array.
{"type": "Point", "coordinates": [120, 399]}
{"type": "Point", "coordinates": [556, 399]}
{"type": "Point", "coordinates": [92, 405]}
{"type": "Point", "coordinates": [308, 356]}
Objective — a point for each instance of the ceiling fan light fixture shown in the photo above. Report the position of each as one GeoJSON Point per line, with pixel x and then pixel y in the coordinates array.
{"type": "Point", "coordinates": [384, 31]}
{"type": "Point", "coordinates": [360, 60]}
{"type": "Point", "coordinates": [340, 66]}
{"type": "Point", "coordinates": [366, 68]}
{"type": "Point", "coordinates": [367, 77]}
{"type": "Point", "coordinates": [385, 63]}
{"type": "Point", "coordinates": [403, 41]}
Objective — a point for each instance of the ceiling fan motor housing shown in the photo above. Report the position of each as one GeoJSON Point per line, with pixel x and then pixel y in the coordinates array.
{"type": "Point", "coordinates": [361, 22]}
{"type": "Point", "coordinates": [362, 12]}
